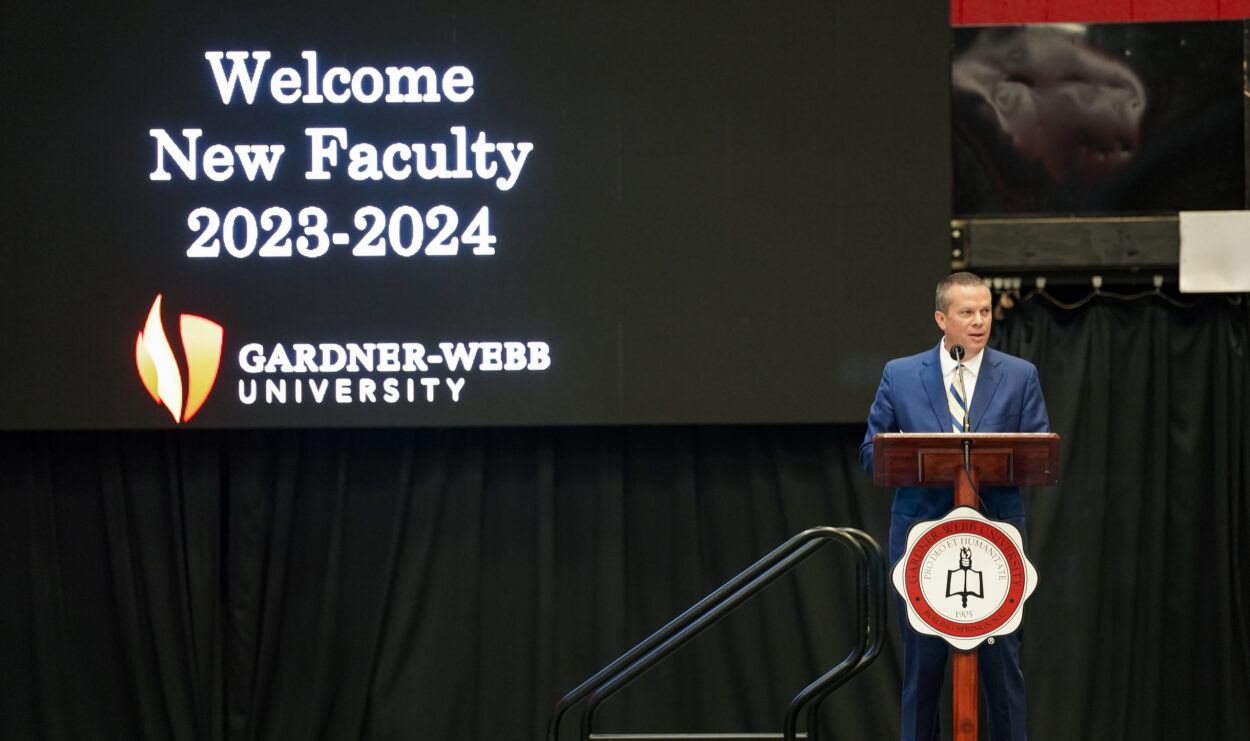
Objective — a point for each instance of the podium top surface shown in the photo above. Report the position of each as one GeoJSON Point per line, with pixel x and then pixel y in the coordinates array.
{"type": "Point", "coordinates": [937, 458]}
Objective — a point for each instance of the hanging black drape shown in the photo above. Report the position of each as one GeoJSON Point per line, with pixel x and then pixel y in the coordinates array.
{"type": "Point", "coordinates": [452, 584]}
{"type": "Point", "coordinates": [1144, 549]}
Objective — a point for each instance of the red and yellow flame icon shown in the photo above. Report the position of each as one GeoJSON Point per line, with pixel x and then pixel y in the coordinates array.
{"type": "Point", "coordinates": [158, 368]}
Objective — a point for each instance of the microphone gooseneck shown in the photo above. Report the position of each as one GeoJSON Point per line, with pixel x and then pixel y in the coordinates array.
{"type": "Point", "coordinates": [957, 354]}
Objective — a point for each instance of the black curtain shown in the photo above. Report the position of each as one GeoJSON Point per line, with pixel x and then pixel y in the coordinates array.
{"type": "Point", "coordinates": [1139, 628]}
{"type": "Point", "coordinates": [452, 584]}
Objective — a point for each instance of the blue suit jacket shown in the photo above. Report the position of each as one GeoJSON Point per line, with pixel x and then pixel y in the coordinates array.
{"type": "Point", "coordinates": [912, 398]}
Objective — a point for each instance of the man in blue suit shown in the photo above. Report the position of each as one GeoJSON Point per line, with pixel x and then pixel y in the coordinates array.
{"type": "Point", "coordinates": [1004, 396]}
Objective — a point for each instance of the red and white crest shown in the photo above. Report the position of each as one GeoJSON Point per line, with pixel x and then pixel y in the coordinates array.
{"type": "Point", "coordinates": [964, 578]}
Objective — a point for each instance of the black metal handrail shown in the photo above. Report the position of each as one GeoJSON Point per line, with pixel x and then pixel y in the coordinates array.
{"type": "Point", "coordinates": [870, 604]}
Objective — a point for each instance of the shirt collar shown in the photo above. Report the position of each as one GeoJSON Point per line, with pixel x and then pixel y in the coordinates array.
{"type": "Point", "coordinates": [971, 365]}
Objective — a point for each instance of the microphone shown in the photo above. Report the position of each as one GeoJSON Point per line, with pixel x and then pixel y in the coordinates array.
{"type": "Point", "coordinates": [957, 354]}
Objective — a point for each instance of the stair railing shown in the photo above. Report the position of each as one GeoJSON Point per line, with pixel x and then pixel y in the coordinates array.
{"type": "Point", "coordinates": [870, 611]}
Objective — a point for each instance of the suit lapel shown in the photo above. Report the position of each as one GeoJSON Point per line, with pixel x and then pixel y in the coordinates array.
{"type": "Point", "coordinates": [987, 384]}
{"type": "Point", "coordinates": [931, 378]}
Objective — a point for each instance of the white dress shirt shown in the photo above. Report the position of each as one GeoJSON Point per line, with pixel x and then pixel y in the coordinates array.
{"type": "Point", "coordinates": [972, 368]}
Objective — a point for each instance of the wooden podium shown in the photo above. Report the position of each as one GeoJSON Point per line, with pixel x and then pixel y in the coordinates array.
{"type": "Point", "coordinates": [966, 462]}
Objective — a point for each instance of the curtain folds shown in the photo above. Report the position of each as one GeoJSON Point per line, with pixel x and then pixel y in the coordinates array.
{"type": "Point", "coordinates": [452, 584]}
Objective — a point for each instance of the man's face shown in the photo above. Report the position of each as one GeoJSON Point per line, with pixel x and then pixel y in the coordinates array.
{"type": "Point", "coordinates": [967, 320]}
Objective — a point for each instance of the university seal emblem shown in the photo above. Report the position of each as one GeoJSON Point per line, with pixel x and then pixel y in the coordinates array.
{"type": "Point", "coordinates": [964, 578]}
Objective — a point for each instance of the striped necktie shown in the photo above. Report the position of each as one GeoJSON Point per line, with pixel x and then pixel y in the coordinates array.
{"type": "Point", "coordinates": [956, 404]}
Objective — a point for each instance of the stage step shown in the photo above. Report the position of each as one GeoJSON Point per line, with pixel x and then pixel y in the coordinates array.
{"type": "Point", "coordinates": [688, 736]}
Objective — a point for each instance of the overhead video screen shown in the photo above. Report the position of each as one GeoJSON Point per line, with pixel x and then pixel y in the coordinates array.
{"type": "Point", "coordinates": [420, 214]}
{"type": "Point", "coordinates": [1098, 119]}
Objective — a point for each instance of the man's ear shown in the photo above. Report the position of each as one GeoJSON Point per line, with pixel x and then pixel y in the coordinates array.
{"type": "Point", "coordinates": [940, 318]}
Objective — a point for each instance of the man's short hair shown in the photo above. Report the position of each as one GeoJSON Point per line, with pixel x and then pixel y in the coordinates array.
{"type": "Point", "coordinates": [942, 299]}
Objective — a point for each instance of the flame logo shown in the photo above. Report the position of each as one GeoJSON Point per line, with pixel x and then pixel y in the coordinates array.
{"type": "Point", "coordinates": [158, 368]}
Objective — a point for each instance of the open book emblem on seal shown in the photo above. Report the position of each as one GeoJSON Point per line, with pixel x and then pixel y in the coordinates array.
{"type": "Point", "coordinates": [964, 578]}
